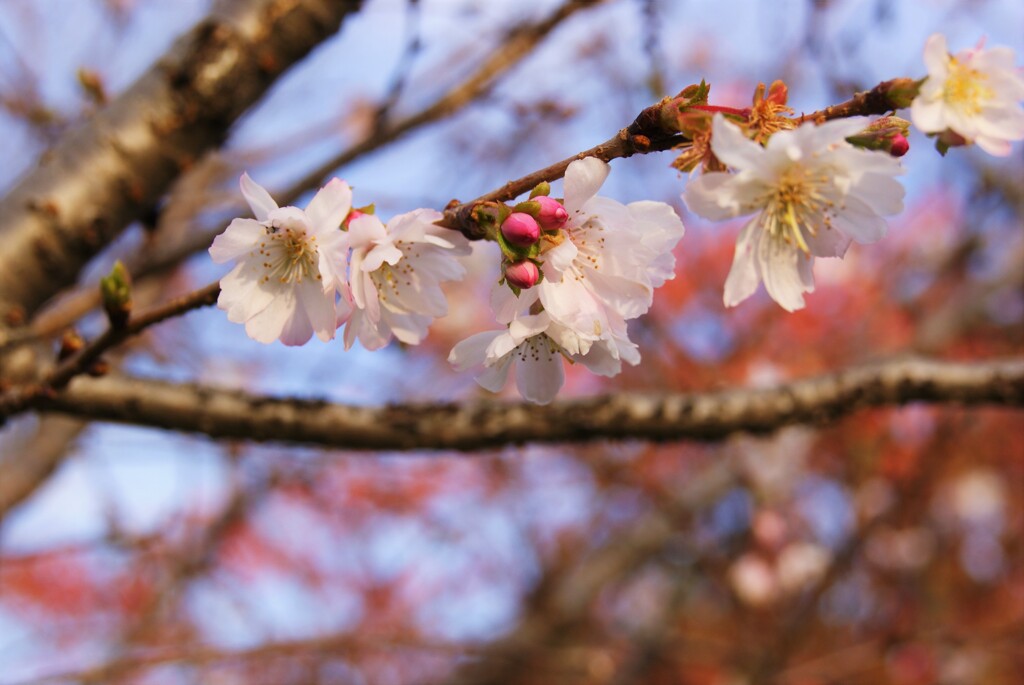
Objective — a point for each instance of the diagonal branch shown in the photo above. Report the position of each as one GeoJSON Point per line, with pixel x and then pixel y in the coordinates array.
{"type": "Point", "coordinates": [106, 174]}
{"type": "Point", "coordinates": [491, 423]}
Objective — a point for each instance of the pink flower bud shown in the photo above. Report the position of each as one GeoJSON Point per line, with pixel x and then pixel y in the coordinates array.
{"type": "Point", "coordinates": [552, 215]}
{"type": "Point", "coordinates": [520, 229]}
{"type": "Point", "coordinates": [899, 145]}
{"type": "Point", "coordinates": [353, 214]}
{"type": "Point", "coordinates": [522, 274]}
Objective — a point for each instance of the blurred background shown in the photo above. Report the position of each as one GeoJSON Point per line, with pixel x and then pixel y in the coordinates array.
{"type": "Point", "coordinates": [883, 549]}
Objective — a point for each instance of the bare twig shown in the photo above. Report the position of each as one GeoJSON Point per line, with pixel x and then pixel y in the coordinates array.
{"type": "Point", "coordinates": [20, 398]}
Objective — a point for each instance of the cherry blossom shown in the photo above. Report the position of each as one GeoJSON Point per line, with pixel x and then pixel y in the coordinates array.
{"type": "Point", "coordinates": [283, 286]}
{"type": "Point", "coordinates": [975, 93]}
{"type": "Point", "coordinates": [811, 193]}
{"type": "Point", "coordinates": [395, 274]}
{"type": "Point", "coordinates": [608, 258]}
{"type": "Point", "coordinates": [537, 346]}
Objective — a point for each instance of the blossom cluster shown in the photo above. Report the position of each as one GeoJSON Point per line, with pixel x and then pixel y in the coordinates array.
{"type": "Point", "coordinates": [576, 270]}
{"type": "Point", "coordinates": [599, 263]}
{"type": "Point", "coordinates": [299, 273]}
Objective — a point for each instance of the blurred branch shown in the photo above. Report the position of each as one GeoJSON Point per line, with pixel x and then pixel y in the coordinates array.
{"type": "Point", "coordinates": [84, 360]}
{"type": "Point", "coordinates": [28, 467]}
{"type": "Point", "coordinates": [114, 168]}
{"type": "Point", "coordinates": [517, 44]}
{"type": "Point", "coordinates": [491, 423]}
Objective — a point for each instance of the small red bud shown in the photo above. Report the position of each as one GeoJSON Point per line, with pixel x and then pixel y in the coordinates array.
{"type": "Point", "coordinates": [521, 229]}
{"type": "Point", "coordinates": [522, 274]}
{"type": "Point", "coordinates": [552, 215]}
{"type": "Point", "coordinates": [899, 145]}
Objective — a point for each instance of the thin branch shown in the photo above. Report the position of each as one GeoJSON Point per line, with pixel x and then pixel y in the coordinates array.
{"type": "Point", "coordinates": [491, 423]}
{"type": "Point", "coordinates": [645, 134]}
{"type": "Point", "coordinates": [884, 98]}
{"type": "Point", "coordinates": [19, 398]}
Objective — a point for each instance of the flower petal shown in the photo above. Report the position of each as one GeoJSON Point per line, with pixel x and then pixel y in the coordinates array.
{"type": "Point", "coordinates": [240, 237]}
{"type": "Point", "coordinates": [258, 198]}
{"type": "Point", "coordinates": [583, 178]}
{"type": "Point", "coordinates": [330, 206]}
{"type": "Point", "coordinates": [539, 372]}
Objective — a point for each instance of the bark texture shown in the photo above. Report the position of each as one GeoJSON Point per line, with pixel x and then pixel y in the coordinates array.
{"type": "Point", "coordinates": [115, 167]}
{"type": "Point", "coordinates": [491, 423]}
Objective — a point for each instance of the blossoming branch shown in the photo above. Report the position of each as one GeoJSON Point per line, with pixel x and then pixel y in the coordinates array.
{"type": "Point", "coordinates": [575, 270]}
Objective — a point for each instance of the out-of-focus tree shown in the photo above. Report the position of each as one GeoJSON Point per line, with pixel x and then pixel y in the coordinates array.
{"type": "Point", "coordinates": [833, 495]}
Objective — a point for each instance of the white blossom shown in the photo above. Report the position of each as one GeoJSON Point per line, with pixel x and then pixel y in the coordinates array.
{"type": "Point", "coordinates": [811, 193]}
{"type": "Point", "coordinates": [975, 93]}
{"type": "Point", "coordinates": [284, 284]}
{"type": "Point", "coordinates": [536, 345]}
{"type": "Point", "coordinates": [605, 263]}
{"type": "Point", "coordinates": [395, 274]}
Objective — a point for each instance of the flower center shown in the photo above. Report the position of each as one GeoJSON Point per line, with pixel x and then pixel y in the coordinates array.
{"type": "Point", "coordinates": [392, 280]}
{"type": "Point", "coordinates": [965, 88]}
{"type": "Point", "coordinates": [289, 255]}
{"type": "Point", "coordinates": [795, 204]}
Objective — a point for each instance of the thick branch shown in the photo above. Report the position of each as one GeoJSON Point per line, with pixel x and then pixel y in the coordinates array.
{"type": "Point", "coordinates": [491, 423]}
{"type": "Point", "coordinates": [113, 169]}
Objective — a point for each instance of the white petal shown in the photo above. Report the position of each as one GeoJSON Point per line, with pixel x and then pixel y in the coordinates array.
{"type": "Point", "coordinates": [365, 231]}
{"type": "Point", "coordinates": [936, 55]}
{"type": "Point", "coordinates": [539, 372]}
{"type": "Point", "coordinates": [239, 238]}
{"type": "Point", "coordinates": [330, 206]}
{"type": "Point", "coordinates": [744, 276]}
{"type": "Point", "coordinates": [558, 259]}
{"type": "Point", "coordinates": [529, 326]}
{"type": "Point", "coordinates": [410, 329]}
{"type": "Point", "coordinates": [929, 116]}
{"type": "Point", "coordinates": [629, 298]}
{"type": "Point", "coordinates": [319, 308]}
{"type": "Point", "coordinates": [243, 294]}
{"type": "Point", "coordinates": [658, 223]}
{"type": "Point", "coordinates": [473, 350]}
{"type": "Point", "coordinates": [711, 196]}
{"type": "Point", "coordinates": [494, 377]}
{"type": "Point", "coordinates": [507, 306]}
{"type": "Point", "coordinates": [777, 261]}
{"type": "Point", "coordinates": [583, 178]}
{"type": "Point", "coordinates": [385, 252]}
{"type": "Point", "coordinates": [258, 198]}
{"type": "Point", "coordinates": [732, 147]}
{"type": "Point", "coordinates": [829, 242]}
{"type": "Point", "coordinates": [601, 360]}
{"type": "Point", "coordinates": [267, 325]}
{"type": "Point", "coordinates": [860, 222]}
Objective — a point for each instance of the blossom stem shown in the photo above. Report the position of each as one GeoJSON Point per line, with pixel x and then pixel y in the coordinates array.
{"type": "Point", "coordinates": [646, 134]}
{"type": "Point", "coordinates": [886, 97]}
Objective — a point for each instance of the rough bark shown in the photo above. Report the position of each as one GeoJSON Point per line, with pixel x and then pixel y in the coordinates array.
{"type": "Point", "coordinates": [490, 423]}
{"type": "Point", "coordinates": [115, 167]}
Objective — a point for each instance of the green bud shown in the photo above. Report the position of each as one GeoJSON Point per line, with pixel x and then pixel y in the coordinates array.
{"type": "Point", "coordinates": [116, 291]}
{"type": "Point", "coordinates": [542, 188]}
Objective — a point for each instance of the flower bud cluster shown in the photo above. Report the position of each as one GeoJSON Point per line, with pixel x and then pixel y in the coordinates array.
{"type": "Point", "coordinates": [521, 232]}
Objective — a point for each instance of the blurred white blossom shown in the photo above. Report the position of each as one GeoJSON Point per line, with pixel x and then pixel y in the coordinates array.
{"type": "Point", "coordinates": [975, 93]}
